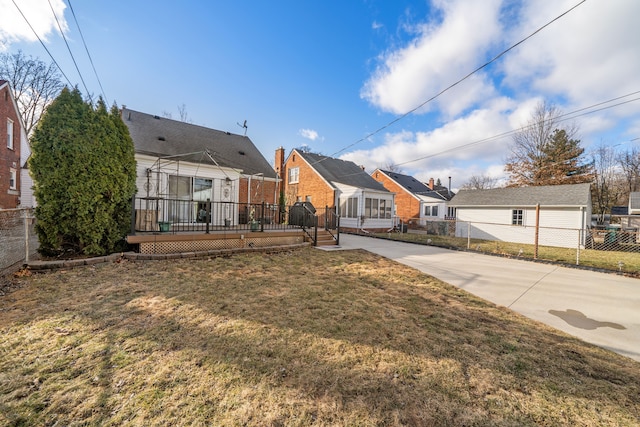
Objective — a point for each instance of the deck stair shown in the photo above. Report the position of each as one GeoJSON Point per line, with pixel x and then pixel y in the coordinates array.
{"type": "Point", "coordinates": [325, 238]}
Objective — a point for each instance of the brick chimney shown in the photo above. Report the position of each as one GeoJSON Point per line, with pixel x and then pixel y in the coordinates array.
{"type": "Point", "coordinates": [431, 183]}
{"type": "Point", "coordinates": [279, 162]}
{"type": "Point", "coordinates": [279, 167]}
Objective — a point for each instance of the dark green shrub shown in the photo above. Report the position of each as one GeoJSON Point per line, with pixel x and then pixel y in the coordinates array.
{"type": "Point", "coordinates": [83, 168]}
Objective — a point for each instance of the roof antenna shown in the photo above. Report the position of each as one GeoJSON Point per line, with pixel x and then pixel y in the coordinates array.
{"type": "Point", "coordinates": [243, 126]}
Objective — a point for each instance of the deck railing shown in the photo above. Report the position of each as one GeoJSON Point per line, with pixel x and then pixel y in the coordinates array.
{"type": "Point", "coordinates": [151, 214]}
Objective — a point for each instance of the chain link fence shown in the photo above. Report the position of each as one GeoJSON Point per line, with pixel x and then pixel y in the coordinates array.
{"type": "Point", "coordinates": [613, 247]}
{"type": "Point", "coordinates": [18, 240]}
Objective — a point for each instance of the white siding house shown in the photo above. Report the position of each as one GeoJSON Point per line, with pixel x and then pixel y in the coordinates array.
{"type": "Point", "coordinates": [562, 213]}
{"type": "Point", "coordinates": [365, 208]}
{"type": "Point", "coordinates": [180, 167]}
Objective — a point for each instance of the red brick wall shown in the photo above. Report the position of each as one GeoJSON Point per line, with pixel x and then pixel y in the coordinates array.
{"type": "Point", "coordinates": [9, 159]}
{"type": "Point", "coordinates": [260, 191]}
{"type": "Point", "coordinates": [407, 206]}
{"type": "Point", "coordinates": [309, 184]}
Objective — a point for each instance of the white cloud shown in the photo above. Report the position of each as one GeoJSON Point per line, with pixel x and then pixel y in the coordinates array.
{"type": "Point", "coordinates": [308, 134]}
{"type": "Point", "coordinates": [586, 57]}
{"type": "Point", "coordinates": [459, 148]}
{"type": "Point", "coordinates": [442, 53]}
{"type": "Point", "coordinates": [14, 28]}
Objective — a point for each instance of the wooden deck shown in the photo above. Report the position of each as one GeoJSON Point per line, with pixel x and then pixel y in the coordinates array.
{"type": "Point", "coordinates": [173, 242]}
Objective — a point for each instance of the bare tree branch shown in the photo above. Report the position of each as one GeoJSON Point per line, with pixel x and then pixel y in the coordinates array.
{"type": "Point", "coordinates": [34, 83]}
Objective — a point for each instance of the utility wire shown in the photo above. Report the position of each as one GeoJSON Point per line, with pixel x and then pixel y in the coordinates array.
{"type": "Point", "coordinates": [562, 118]}
{"type": "Point", "coordinates": [88, 54]}
{"type": "Point", "coordinates": [501, 54]}
{"type": "Point", "coordinates": [69, 49]}
{"type": "Point", "coordinates": [42, 43]}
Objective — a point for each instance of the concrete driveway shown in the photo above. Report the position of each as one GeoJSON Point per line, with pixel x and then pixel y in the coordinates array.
{"type": "Point", "coordinates": [600, 308]}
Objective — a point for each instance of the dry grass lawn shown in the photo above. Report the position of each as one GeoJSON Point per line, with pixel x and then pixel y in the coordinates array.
{"type": "Point", "coordinates": [625, 262]}
{"type": "Point", "coordinates": [291, 339]}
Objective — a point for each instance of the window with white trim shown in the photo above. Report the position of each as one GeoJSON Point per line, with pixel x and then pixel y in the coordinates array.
{"type": "Point", "coordinates": [10, 134]}
{"type": "Point", "coordinates": [349, 207]}
{"type": "Point", "coordinates": [377, 208]}
{"type": "Point", "coordinates": [294, 175]}
{"type": "Point", "coordinates": [517, 217]}
{"type": "Point", "coordinates": [13, 179]}
{"type": "Point", "coordinates": [430, 210]}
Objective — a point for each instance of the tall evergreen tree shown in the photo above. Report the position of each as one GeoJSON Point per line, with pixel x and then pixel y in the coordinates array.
{"type": "Point", "coordinates": [563, 162]}
{"type": "Point", "coordinates": [84, 173]}
{"type": "Point", "coordinates": [543, 153]}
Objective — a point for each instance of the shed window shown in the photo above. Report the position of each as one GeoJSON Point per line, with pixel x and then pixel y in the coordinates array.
{"type": "Point", "coordinates": [517, 217]}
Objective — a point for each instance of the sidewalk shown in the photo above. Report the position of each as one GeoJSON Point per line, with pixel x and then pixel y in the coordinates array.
{"type": "Point", "coordinates": [599, 308]}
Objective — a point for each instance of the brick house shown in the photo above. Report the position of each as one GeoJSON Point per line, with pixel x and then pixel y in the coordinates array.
{"type": "Point", "coordinates": [416, 202]}
{"type": "Point", "coordinates": [13, 139]}
{"type": "Point", "coordinates": [184, 162]}
{"type": "Point", "coordinates": [339, 185]}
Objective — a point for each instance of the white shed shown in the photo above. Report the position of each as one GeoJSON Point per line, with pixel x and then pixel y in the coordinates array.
{"type": "Point", "coordinates": [562, 212]}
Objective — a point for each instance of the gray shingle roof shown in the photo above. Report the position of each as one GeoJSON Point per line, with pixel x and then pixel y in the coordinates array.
{"type": "Point", "coordinates": [549, 195]}
{"type": "Point", "coordinates": [416, 187]}
{"type": "Point", "coordinates": [162, 137]}
{"type": "Point", "coordinates": [341, 171]}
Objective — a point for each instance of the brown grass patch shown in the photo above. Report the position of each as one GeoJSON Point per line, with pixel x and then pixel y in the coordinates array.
{"type": "Point", "coordinates": [291, 339]}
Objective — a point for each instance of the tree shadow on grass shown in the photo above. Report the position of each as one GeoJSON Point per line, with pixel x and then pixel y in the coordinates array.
{"type": "Point", "coordinates": [355, 339]}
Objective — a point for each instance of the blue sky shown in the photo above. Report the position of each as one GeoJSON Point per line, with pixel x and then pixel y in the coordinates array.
{"type": "Point", "coordinates": [330, 74]}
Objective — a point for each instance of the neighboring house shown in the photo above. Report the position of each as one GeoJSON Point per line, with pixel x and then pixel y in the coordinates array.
{"type": "Point", "coordinates": [629, 216]}
{"type": "Point", "coordinates": [634, 203]}
{"type": "Point", "coordinates": [416, 202]}
{"type": "Point", "coordinates": [13, 139]}
{"type": "Point", "coordinates": [340, 185]}
{"type": "Point", "coordinates": [182, 162]}
{"type": "Point", "coordinates": [511, 214]}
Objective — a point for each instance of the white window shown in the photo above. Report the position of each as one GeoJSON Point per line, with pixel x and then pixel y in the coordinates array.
{"type": "Point", "coordinates": [377, 208]}
{"type": "Point", "coordinates": [13, 181]}
{"type": "Point", "coordinates": [349, 207]}
{"type": "Point", "coordinates": [294, 175]}
{"type": "Point", "coordinates": [10, 134]}
{"type": "Point", "coordinates": [517, 217]}
{"type": "Point", "coordinates": [431, 211]}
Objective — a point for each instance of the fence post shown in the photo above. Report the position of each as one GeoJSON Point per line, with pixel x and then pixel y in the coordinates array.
{"type": "Point", "coordinates": [535, 249]}
{"type": "Point", "coordinates": [133, 214]}
{"type": "Point", "coordinates": [262, 216]}
{"type": "Point", "coordinates": [578, 248]}
{"type": "Point", "coordinates": [468, 235]}
{"type": "Point", "coordinates": [26, 236]}
{"type": "Point", "coordinates": [207, 215]}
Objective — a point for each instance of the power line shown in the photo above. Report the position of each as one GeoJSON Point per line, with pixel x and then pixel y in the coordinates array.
{"type": "Point", "coordinates": [69, 49]}
{"type": "Point", "coordinates": [561, 118]}
{"type": "Point", "coordinates": [42, 43]}
{"type": "Point", "coordinates": [87, 49]}
{"type": "Point", "coordinates": [397, 119]}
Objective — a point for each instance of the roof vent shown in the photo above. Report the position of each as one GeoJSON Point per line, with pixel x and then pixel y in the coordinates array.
{"type": "Point", "coordinates": [228, 133]}
{"type": "Point", "coordinates": [161, 138]}
{"type": "Point", "coordinates": [156, 117]}
{"type": "Point", "coordinates": [241, 152]}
